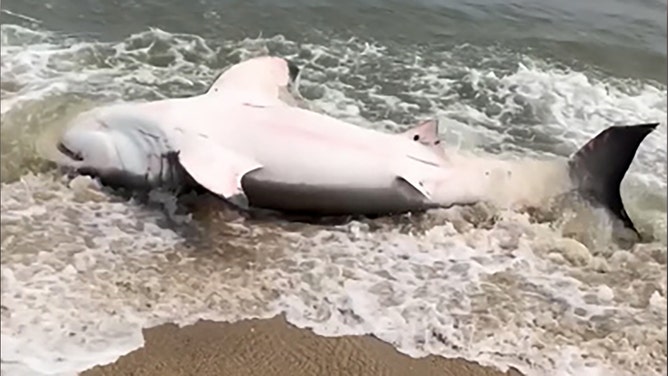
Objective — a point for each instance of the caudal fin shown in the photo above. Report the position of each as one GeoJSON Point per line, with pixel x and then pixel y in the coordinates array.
{"type": "Point", "coordinates": [600, 165]}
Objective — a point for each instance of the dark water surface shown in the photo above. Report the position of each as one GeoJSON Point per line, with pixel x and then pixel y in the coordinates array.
{"type": "Point", "coordinates": [625, 37]}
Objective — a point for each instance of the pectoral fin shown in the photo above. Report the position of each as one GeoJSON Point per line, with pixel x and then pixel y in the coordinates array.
{"type": "Point", "coordinates": [216, 168]}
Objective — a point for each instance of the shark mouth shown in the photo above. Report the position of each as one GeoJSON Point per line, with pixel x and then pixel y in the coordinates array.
{"type": "Point", "coordinates": [69, 153]}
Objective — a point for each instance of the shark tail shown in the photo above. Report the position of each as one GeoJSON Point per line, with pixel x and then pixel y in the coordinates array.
{"type": "Point", "coordinates": [600, 165]}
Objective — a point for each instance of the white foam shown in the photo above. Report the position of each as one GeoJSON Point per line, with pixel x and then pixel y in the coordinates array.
{"type": "Point", "coordinates": [83, 274]}
{"type": "Point", "coordinates": [490, 286]}
{"type": "Point", "coordinates": [439, 294]}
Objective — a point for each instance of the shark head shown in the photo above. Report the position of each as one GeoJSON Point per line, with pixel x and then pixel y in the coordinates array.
{"type": "Point", "coordinates": [120, 150]}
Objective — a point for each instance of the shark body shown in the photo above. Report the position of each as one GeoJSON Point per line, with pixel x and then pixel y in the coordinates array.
{"type": "Point", "coordinates": [247, 140]}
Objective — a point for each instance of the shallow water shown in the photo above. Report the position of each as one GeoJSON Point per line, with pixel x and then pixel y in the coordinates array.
{"type": "Point", "coordinates": [83, 270]}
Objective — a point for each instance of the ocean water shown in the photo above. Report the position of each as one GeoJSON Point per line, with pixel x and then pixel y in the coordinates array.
{"type": "Point", "coordinates": [550, 294]}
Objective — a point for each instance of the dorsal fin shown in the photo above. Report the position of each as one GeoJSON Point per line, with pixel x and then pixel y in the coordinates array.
{"type": "Point", "coordinates": [600, 165]}
{"type": "Point", "coordinates": [258, 80]}
{"type": "Point", "coordinates": [426, 133]}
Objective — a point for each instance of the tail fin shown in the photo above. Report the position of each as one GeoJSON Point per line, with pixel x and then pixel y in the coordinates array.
{"type": "Point", "coordinates": [600, 165]}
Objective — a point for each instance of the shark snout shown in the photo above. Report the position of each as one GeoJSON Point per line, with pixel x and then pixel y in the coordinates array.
{"type": "Point", "coordinates": [89, 148]}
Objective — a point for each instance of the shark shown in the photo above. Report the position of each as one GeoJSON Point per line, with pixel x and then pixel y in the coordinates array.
{"type": "Point", "coordinates": [248, 140]}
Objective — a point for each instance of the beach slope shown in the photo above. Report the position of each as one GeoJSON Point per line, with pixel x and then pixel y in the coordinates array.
{"type": "Point", "coordinates": [274, 347]}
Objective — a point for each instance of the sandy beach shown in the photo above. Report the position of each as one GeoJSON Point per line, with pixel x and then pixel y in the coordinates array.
{"type": "Point", "coordinates": [274, 347]}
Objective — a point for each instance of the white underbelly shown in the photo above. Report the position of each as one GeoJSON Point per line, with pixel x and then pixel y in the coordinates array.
{"type": "Point", "coordinates": [302, 160]}
{"type": "Point", "coordinates": [327, 167]}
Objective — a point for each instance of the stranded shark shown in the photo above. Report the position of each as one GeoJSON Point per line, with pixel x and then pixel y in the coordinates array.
{"type": "Point", "coordinates": [247, 140]}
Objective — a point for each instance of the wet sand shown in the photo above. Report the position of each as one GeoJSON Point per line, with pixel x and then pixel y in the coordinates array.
{"type": "Point", "coordinates": [274, 347]}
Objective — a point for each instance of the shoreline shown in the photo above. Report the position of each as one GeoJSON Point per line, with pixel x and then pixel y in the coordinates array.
{"type": "Point", "coordinates": [274, 347]}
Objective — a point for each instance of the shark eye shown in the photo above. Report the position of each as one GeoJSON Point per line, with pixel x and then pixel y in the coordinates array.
{"type": "Point", "coordinates": [416, 137]}
{"type": "Point", "coordinates": [437, 142]}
